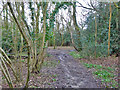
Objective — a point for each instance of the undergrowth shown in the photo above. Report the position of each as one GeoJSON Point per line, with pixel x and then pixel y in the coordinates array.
{"type": "Point", "coordinates": [105, 74]}
{"type": "Point", "coordinates": [51, 63]}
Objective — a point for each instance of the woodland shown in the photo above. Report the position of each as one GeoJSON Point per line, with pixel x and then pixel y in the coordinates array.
{"type": "Point", "coordinates": [59, 44]}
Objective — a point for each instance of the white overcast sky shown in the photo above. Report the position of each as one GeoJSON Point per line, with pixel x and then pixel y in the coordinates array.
{"type": "Point", "coordinates": [79, 10]}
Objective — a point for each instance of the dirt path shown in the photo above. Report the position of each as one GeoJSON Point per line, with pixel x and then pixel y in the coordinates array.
{"type": "Point", "coordinates": [70, 73]}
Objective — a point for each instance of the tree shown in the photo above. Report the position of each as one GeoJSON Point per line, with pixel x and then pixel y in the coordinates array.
{"type": "Point", "coordinates": [79, 46]}
{"type": "Point", "coordinates": [27, 41]}
{"type": "Point", "coordinates": [109, 31]}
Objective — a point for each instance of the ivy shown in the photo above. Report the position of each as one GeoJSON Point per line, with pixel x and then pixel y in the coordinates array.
{"type": "Point", "coordinates": [51, 18]}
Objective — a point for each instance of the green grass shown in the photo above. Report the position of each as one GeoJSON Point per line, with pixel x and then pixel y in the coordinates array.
{"type": "Point", "coordinates": [23, 60]}
{"type": "Point", "coordinates": [51, 63]}
{"type": "Point", "coordinates": [75, 55]}
{"type": "Point", "coordinates": [3, 77]}
{"type": "Point", "coordinates": [55, 75]}
{"type": "Point", "coordinates": [104, 73]}
{"type": "Point", "coordinates": [48, 55]}
{"type": "Point", "coordinates": [23, 54]}
{"type": "Point", "coordinates": [58, 61]}
{"type": "Point", "coordinates": [109, 69]}
{"type": "Point", "coordinates": [49, 83]}
{"type": "Point", "coordinates": [33, 87]}
{"type": "Point", "coordinates": [53, 79]}
{"type": "Point", "coordinates": [79, 54]}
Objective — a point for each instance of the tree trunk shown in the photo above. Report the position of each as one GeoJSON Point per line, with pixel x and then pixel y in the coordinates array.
{"type": "Point", "coordinates": [41, 54]}
{"type": "Point", "coordinates": [109, 31]}
{"type": "Point", "coordinates": [79, 48]}
{"type": "Point", "coordinates": [54, 38]}
{"type": "Point", "coordinates": [119, 31]}
{"type": "Point", "coordinates": [36, 36]}
{"type": "Point", "coordinates": [95, 34]}
{"type": "Point", "coordinates": [26, 39]}
{"type": "Point", "coordinates": [1, 32]}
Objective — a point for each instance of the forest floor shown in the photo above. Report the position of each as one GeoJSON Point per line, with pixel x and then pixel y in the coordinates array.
{"type": "Point", "coordinates": [61, 70]}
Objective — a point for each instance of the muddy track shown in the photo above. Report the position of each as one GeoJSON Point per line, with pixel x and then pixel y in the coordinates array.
{"type": "Point", "coordinates": [70, 72]}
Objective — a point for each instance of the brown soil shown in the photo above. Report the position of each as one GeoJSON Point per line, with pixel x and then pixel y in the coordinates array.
{"type": "Point", "coordinates": [61, 71]}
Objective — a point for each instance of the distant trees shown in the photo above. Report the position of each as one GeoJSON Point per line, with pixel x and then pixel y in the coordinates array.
{"type": "Point", "coordinates": [107, 33]}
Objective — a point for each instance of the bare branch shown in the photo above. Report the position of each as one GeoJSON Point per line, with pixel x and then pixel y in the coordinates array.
{"type": "Point", "coordinates": [85, 7]}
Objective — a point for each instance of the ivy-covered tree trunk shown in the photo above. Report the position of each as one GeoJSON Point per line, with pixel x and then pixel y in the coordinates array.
{"type": "Point", "coordinates": [70, 28]}
{"type": "Point", "coordinates": [78, 45]}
